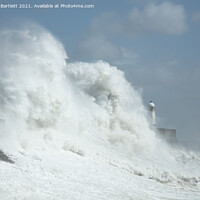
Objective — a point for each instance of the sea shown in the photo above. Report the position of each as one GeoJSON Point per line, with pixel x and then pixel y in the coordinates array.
{"type": "Point", "coordinates": [79, 130]}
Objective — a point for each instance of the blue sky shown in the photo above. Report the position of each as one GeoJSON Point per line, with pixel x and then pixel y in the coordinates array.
{"type": "Point", "coordinates": [155, 42]}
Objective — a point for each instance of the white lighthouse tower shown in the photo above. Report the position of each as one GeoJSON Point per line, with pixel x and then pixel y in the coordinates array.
{"type": "Point", "coordinates": [152, 112]}
{"type": "Point", "coordinates": [169, 135]}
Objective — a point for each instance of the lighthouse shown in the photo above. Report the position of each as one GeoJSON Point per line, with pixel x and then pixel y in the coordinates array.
{"type": "Point", "coordinates": [169, 135]}
{"type": "Point", "coordinates": [152, 112]}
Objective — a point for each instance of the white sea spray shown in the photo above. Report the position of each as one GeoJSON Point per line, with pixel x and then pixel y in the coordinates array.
{"type": "Point", "coordinates": [48, 104]}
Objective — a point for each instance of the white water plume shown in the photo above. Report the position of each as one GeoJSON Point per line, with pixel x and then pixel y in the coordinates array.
{"type": "Point", "coordinates": [87, 108]}
{"type": "Point", "coordinates": [52, 100]}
